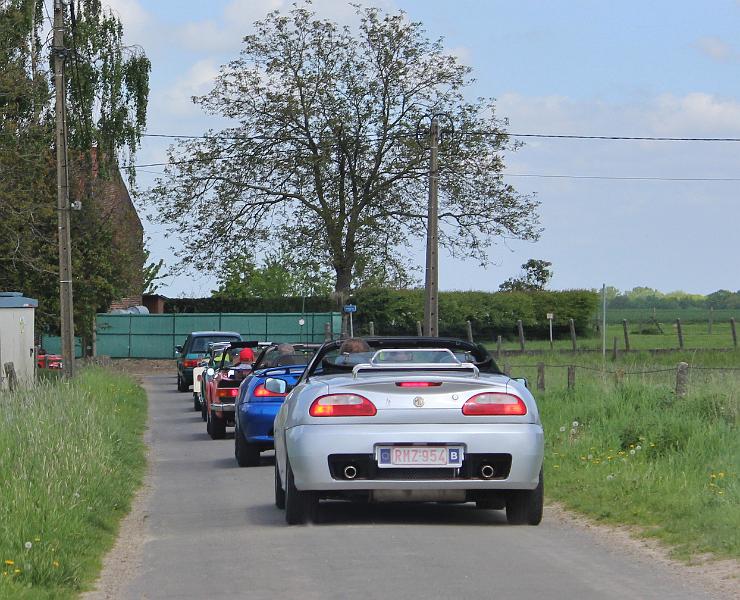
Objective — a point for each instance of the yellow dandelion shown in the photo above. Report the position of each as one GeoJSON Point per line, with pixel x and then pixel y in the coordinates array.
{"type": "Point", "coordinates": [721, 474]}
{"type": "Point", "coordinates": [10, 563]}
{"type": "Point", "coordinates": [16, 571]}
{"type": "Point", "coordinates": [55, 563]}
{"type": "Point", "coordinates": [37, 539]}
{"type": "Point", "coordinates": [713, 476]}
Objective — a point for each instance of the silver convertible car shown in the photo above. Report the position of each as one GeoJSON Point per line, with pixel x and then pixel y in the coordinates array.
{"type": "Point", "coordinates": [408, 420]}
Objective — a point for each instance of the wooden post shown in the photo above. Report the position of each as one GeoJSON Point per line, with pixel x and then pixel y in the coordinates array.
{"type": "Point", "coordinates": [614, 349]}
{"type": "Point", "coordinates": [327, 332]}
{"type": "Point", "coordinates": [571, 377]}
{"type": "Point", "coordinates": [540, 376]}
{"type": "Point", "coordinates": [470, 331]}
{"type": "Point", "coordinates": [682, 379]}
{"type": "Point", "coordinates": [680, 333]}
{"type": "Point", "coordinates": [12, 377]}
{"type": "Point", "coordinates": [572, 324]}
{"type": "Point", "coordinates": [507, 369]}
{"type": "Point", "coordinates": [418, 328]}
{"type": "Point", "coordinates": [499, 343]}
{"type": "Point", "coordinates": [372, 329]}
{"type": "Point", "coordinates": [734, 333]}
{"type": "Point", "coordinates": [655, 321]}
{"type": "Point", "coordinates": [520, 327]}
{"type": "Point", "coordinates": [626, 335]}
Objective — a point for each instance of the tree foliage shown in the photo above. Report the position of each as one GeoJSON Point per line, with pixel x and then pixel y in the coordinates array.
{"type": "Point", "coordinates": [107, 88]}
{"type": "Point", "coordinates": [535, 276]}
{"type": "Point", "coordinates": [278, 277]}
{"type": "Point", "coordinates": [323, 155]}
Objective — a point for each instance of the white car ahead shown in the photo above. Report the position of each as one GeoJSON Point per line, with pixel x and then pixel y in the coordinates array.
{"type": "Point", "coordinates": [408, 419]}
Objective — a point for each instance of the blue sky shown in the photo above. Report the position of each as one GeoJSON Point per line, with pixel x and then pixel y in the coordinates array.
{"type": "Point", "coordinates": [576, 67]}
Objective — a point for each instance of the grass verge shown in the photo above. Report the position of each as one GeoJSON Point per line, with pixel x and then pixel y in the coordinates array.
{"type": "Point", "coordinates": [72, 457]}
{"type": "Point", "coordinates": [634, 453]}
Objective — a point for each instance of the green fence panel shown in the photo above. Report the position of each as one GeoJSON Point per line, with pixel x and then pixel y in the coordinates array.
{"type": "Point", "coordinates": [251, 326]}
{"type": "Point", "coordinates": [155, 336]}
{"type": "Point", "coordinates": [113, 344]}
{"type": "Point", "coordinates": [53, 345]}
{"type": "Point", "coordinates": [186, 323]}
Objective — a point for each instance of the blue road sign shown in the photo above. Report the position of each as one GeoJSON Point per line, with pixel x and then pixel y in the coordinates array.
{"type": "Point", "coordinates": [350, 308]}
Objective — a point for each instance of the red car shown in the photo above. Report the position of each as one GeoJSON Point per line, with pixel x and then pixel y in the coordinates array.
{"type": "Point", "coordinates": [49, 361]}
{"type": "Point", "coordinates": [223, 387]}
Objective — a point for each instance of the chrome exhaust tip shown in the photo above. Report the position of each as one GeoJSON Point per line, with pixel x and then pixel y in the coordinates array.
{"type": "Point", "coordinates": [350, 472]}
{"type": "Point", "coordinates": [486, 472]}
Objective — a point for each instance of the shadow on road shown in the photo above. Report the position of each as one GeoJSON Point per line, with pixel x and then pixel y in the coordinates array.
{"type": "Point", "coordinates": [337, 513]}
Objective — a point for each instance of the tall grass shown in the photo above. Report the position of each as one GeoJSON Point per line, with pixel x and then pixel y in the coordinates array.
{"type": "Point", "coordinates": [71, 456]}
{"type": "Point", "coordinates": [635, 453]}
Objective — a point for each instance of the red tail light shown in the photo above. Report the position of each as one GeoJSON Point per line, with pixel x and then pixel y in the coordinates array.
{"type": "Point", "coordinates": [342, 405]}
{"type": "Point", "coordinates": [418, 384]}
{"type": "Point", "coordinates": [189, 363]}
{"type": "Point", "coordinates": [227, 392]}
{"type": "Point", "coordinates": [494, 403]}
{"type": "Point", "coordinates": [262, 392]}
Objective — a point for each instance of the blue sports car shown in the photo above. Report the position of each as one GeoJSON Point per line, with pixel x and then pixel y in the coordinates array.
{"type": "Point", "coordinates": [256, 406]}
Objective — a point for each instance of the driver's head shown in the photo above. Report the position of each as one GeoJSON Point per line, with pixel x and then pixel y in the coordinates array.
{"type": "Point", "coordinates": [285, 348]}
{"type": "Point", "coordinates": [352, 345]}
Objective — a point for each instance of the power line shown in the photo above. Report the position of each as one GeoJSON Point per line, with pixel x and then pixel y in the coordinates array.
{"type": "Point", "coordinates": [619, 178]}
{"type": "Point", "coordinates": [557, 136]}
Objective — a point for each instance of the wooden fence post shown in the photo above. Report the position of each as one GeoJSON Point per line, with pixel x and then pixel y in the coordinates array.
{"type": "Point", "coordinates": [418, 328]}
{"type": "Point", "coordinates": [470, 331]}
{"type": "Point", "coordinates": [12, 377]}
{"type": "Point", "coordinates": [540, 376]}
{"type": "Point", "coordinates": [680, 333]}
{"type": "Point", "coordinates": [572, 324]}
{"type": "Point", "coordinates": [327, 332]}
{"type": "Point", "coordinates": [682, 379]}
{"type": "Point", "coordinates": [499, 343]}
{"type": "Point", "coordinates": [372, 326]}
{"type": "Point", "coordinates": [626, 335]}
{"type": "Point", "coordinates": [734, 333]}
{"type": "Point", "coordinates": [520, 327]}
{"type": "Point", "coordinates": [614, 349]}
{"type": "Point", "coordinates": [571, 377]}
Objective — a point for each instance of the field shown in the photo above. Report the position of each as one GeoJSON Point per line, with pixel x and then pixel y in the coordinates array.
{"type": "Point", "coordinates": [695, 336]}
{"type": "Point", "coordinates": [633, 452]}
{"type": "Point", "coordinates": [72, 457]}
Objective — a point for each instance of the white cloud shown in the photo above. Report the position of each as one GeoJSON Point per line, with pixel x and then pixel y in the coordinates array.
{"type": "Point", "coordinates": [716, 49]}
{"type": "Point", "coordinates": [177, 99]}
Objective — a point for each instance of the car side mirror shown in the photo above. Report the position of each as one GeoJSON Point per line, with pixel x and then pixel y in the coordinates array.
{"type": "Point", "coordinates": [178, 349]}
{"type": "Point", "coordinates": [210, 371]}
{"type": "Point", "coordinates": [276, 386]}
{"type": "Point", "coordinates": [522, 380]}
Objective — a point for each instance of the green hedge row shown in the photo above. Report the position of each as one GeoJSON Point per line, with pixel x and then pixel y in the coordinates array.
{"type": "Point", "coordinates": [395, 312]}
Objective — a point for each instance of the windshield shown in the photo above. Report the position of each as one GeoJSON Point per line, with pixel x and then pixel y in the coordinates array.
{"type": "Point", "coordinates": [200, 344]}
{"type": "Point", "coordinates": [399, 352]}
{"type": "Point", "coordinates": [281, 356]}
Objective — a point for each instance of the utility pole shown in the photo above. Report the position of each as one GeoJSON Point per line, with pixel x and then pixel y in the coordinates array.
{"type": "Point", "coordinates": [65, 244]}
{"type": "Point", "coordinates": [431, 304]}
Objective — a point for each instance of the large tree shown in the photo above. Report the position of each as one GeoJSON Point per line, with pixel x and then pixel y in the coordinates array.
{"type": "Point", "coordinates": [323, 154]}
{"type": "Point", "coordinates": [107, 87]}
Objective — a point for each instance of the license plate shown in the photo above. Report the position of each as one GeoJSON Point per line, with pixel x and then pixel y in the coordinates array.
{"type": "Point", "coordinates": [419, 456]}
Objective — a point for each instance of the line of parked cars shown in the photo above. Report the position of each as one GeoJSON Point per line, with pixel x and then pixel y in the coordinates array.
{"type": "Point", "coordinates": [381, 419]}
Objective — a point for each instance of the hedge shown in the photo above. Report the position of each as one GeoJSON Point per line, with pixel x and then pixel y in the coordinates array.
{"type": "Point", "coordinates": [395, 312]}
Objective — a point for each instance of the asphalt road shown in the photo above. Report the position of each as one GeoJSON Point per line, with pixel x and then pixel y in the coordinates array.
{"type": "Point", "coordinates": [214, 532]}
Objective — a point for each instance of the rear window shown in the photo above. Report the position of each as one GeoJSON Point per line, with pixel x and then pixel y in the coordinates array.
{"type": "Point", "coordinates": [200, 344]}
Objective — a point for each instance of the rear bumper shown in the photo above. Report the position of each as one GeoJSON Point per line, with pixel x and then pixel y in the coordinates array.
{"type": "Point", "coordinates": [226, 407]}
{"type": "Point", "coordinates": [310, 446]}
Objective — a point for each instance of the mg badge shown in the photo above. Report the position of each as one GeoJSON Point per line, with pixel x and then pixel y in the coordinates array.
{"type": "Point", "coordinates": [418, 402]}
